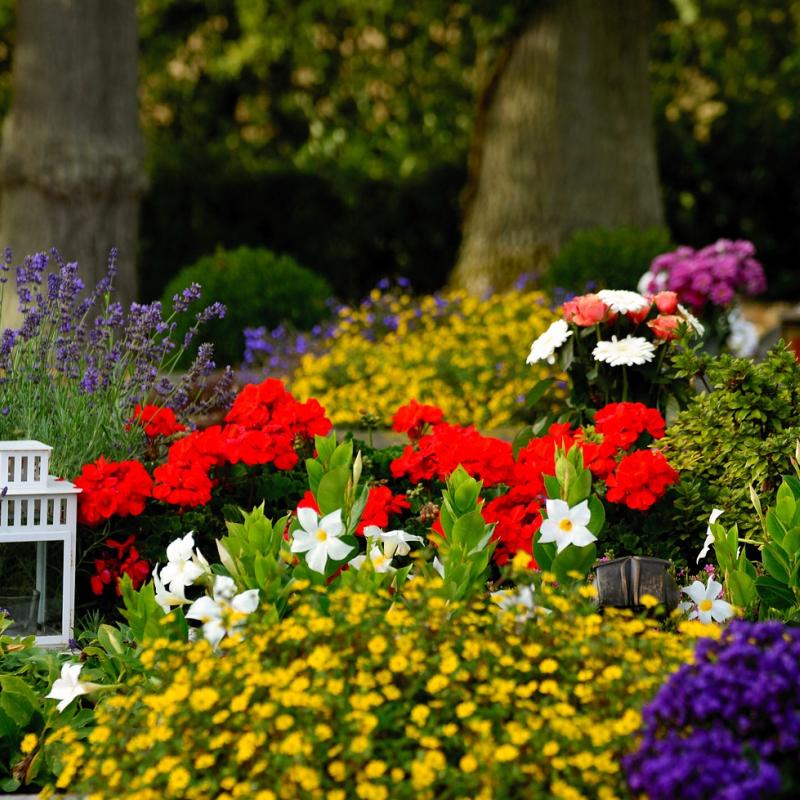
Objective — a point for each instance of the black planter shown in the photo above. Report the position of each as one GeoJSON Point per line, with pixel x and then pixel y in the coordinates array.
{"type": "Point", "coordinates": [622, 582]}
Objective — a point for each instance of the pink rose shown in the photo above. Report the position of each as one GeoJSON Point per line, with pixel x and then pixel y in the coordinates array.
{"type": "Point", "coordinates": [665, 326]}
{"type": "Point", "coordinates": [586, 310]}
{"type": "Point", "coordinates": [666, 302]}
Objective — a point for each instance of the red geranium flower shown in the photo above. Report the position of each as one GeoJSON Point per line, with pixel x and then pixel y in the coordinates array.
{"type": "Point", "coordinates": [640, 479]}
{"type": "Point", "coordinates": [414, 419]}
{"type": "Point", "coordinates": [157, 421]}
{"type": "Point", "coordinates": [112, 488]}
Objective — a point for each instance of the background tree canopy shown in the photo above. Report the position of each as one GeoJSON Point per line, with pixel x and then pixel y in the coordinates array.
{"type": "Point", "coordinates": [339, 132]}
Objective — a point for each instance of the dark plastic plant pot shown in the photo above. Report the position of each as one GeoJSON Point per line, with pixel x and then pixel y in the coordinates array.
{"type": "Point", "coordinates": [622, 582]}
{"type": "Point", "coordinates": [22, 607]}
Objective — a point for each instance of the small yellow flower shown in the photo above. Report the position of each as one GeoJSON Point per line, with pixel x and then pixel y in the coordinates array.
{"type": "Point", "coordinates": [548, 665]}
{"type": "Point", "coordinates": [29, 742]}
{"type": "Point", "coordinates": [468, 763]}
{"type": "Point", "coordinates": [648, 601]}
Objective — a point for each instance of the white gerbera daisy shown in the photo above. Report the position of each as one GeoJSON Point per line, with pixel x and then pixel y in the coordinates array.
{"type": "Point", "coordinates": [695, 323]}
{"type": "Point", "coordinates": [544, 348]}
{"type": "Point", "coordinates": [622, 301]}
{"type": "Point", "coordinates": [624, 352]}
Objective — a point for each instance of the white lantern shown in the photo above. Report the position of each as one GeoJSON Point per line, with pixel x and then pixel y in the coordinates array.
{"type": "Point", "coordinates": [38, 515]}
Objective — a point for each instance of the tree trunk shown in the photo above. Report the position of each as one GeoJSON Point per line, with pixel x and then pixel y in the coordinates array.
{"type": "Point", "coordinates": [565, 143]}
{"type": "Point", "coordinates": [71, 163]}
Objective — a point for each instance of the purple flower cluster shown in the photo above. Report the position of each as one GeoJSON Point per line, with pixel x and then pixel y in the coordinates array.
{"type": "Point", "coordinates": [68, 335]}
{"type": "Point", "coordinates": [716, 274]}
{"type": "Point", "coordinates": [728, 725]}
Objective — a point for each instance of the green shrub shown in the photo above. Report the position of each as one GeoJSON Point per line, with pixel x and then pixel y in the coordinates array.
{"type": "Point", "coordinates": [257, 287]}
{"type": "Point", "coordinates": [742, 432]}
{"type": "Point", "coordinates": [611, 258]}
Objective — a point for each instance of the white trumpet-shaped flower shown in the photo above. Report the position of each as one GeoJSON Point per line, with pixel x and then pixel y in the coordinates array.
{"type": "Point", "coordinates": [395, 543]}
{"type": "Point", "coordinates": [225, 612]}
{"type": "Point", "coordinates": [165, 597]}
{"type": "Point", "coordinates": [706, 604]}
{"type": "Point", "coordinates": [565, 525]}
{"type": "Point", "coordinates": [381, 562]}
{"type": "Point", "coordinates": [184, 566]}
{"type": "Point", "coordinates": [715, 514]}
{"type": "Point", "coordinates": [320, 539]}
{"type": "Point", "coordinates": [68, 687]}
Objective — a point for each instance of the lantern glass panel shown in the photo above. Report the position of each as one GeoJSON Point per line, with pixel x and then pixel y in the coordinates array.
{"type": "Point", "coordinates": [32, 586]}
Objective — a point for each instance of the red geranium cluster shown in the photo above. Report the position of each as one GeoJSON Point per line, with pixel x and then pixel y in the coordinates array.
{"type": "Point", "coordinates": [437, 453]}
{"type": "Point", "coordinates": [124, 560]}
{"type": "Point", "coordinates": [640, 479]}
{"type": "Point", "coordinates": [415, 418]}
{"type": "Point", "coordinates": [263, 427]}
{"type": "Point", "coordinates": [157, 421]}
{"type": "Point", "coordinates": [635, 479]}
{"type": "Point", "coordinates": [381, 505]}
{"type": "Point", "coordinates": [112, 488]}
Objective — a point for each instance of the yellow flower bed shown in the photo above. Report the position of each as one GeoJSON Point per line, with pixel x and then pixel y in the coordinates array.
{"type": "Point", "coordinates": [462, 353]}
{"type": "Point", "coordinates": [430, 700]}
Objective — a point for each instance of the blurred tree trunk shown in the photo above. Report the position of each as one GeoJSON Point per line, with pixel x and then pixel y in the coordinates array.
{"type": "Point", "coordinates": [71, 161]}
{"type": "Point", "coordinates": [564, 140]}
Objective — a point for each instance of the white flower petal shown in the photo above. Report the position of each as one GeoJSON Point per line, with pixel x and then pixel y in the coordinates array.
{"type": "Point", "coordinates": [204, 609]}
{"type": "Point", "coordinates": [246, 602]}
{"type": "Point", "coordinates": [721, 611]}
{"type": "Point", "coordinates": [556, 509]}
{"type": "Point", "coordinates": [697, 592]}
{"type": "Point", "coordinates": [303, 540]}
{"type": "Point", "coordinates": [580, 537]}
{"type": "Point", "coordinates": [332, 523]}
{"type": "Point", "coordinates": [580, 514]}
{"type": "Point", "coordinates": [316, 558]}
{"type": "Point", "coordinates": [543, 348]}
{"type": "Point", "coordinates": [337, 549]}
{"type": "Point", "coordinates": [308, 519]}
{"type": "Point", "coordinates": [214, 631]}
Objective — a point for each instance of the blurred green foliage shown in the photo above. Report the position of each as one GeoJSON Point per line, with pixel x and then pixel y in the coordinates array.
{"type": "Point", "coordinates": [606, 258]}
{"type": "Point", "coordinates": [257, 287]}
{"type": "Point", "coordinates": [339, 131]}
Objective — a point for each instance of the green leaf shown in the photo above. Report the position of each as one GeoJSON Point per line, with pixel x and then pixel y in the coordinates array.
{"type": "Point", "coordinates": [574, 559]}
{"type": "Point", "coordinates": [342, 455]}
{"type": "Point", "coordinates": [742, 587]}
{"type": "Point", "coordinates": [552, 486]}
{"type": "Point", "coordinates": [315, 472]}
{"type": "Point", "coordinates": [775, 527]}
{"type": "Point", "coordinates": [9, 784]}
{"type": "Point", "coordinates": [468, 531]}
{"type": "Point", "coordinates": [776, 562]}
{"type": "Point", "coordinates": [774, 594]}
{"type": "Point", "coordinates": [598, 513]}
{"type": "Point", "coordinates": [538, 391]}
{"type": "Point", "coordinates": [331, 489]}
{"type": "Point", "coordinates": [466, 495]}
{"type": "Point", "coordinates": [791, 542]}
{"type": "Point", "coordinates": [521, 439]}
{"type": "Point", "coordinates": [544, 553]}
{"type": "Point", "coordinates": [110, 639]}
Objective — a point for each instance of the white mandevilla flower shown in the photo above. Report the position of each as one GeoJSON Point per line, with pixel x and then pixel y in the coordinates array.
{"type": "Point", "coordinates": [706, 605]}
{"type": "Point", "coordinates": [544, 348]}
{"type": "Point", "coordinates": [320, 539]}
{"type": "Point", "coordinates": [225, 613]}
{"type": "Point", "coordinates": [395, 543]}
{"type": "Point", "coordinates": [627, 352]}
{"type": "Point", "coordinates": [183, 567]}
{"type": "Point", "coordinates": [622, 301]}
{"type": "Point", "coordinates": [68, 687]}
{"type": "Point", "coordinates": [695, 323]}
{"type": "Point", "coordinates": [565, 525]}
{"type": "Point", "coordinates": [164, 596]}
{"type": "Point", "coordinates": [715, 514]}
{"type": "Point", "coordinates": [381, 562]}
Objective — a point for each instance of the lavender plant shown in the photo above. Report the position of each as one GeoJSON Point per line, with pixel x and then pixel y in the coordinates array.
{"type": "Point", "coordinates": [73, 372]}
{"type": "Point", "coordinates": [726, 725]}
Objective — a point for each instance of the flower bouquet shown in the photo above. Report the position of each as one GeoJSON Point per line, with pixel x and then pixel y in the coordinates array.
{"type": "Point", "coordinates": [614, 346]}
{"type": "Point", "coordinates": [709, 282]}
